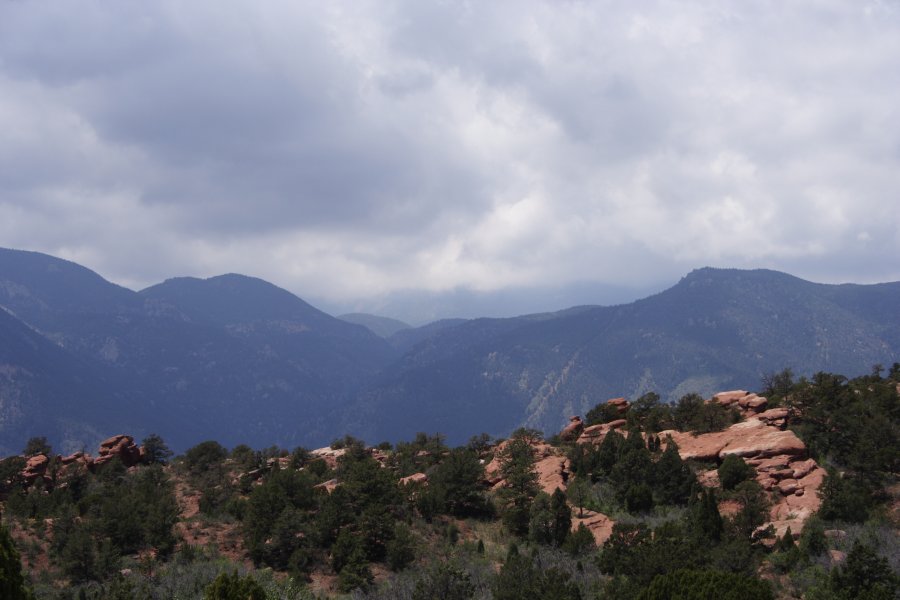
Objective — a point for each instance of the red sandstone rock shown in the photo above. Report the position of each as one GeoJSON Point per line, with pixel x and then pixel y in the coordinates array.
{"type": "Point", "coordinates": [551, 466]}
{"type": "Point", "coordinates": [35, 467]}
{"type": "Point", "coordinates": [414, 478]}
{"type": "Point", "coordinates": [595, 433]}
{"type": "Point", "coordinates": [729, 398]}
{"type": "Point", "coordinates": [803, 468]}
{"type": "Point", "coordinates": [788, 486]}
{"type": "Point", "coordinates": [571, 431]}
{"type": "Point", "coordinates": [122, 446]}
{"type": "Point", "coordinates": [329, 455]}
{"type": "Point", "coordinates": [597, 523]}
{"type": "Point", "coordinates": [620, 403]}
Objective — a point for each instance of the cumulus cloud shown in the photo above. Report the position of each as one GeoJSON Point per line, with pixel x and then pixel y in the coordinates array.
{"type": "Point", "coordinates": [354, 151]}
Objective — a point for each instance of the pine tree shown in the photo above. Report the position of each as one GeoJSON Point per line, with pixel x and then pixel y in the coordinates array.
{"type": "Point", "coordinates": [517, 469]}
{"type": "Point", "coordinates": [12, 582]}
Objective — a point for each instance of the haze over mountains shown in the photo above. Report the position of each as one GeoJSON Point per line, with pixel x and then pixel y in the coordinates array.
{"type": "Point", "coordinates": [239, 360]}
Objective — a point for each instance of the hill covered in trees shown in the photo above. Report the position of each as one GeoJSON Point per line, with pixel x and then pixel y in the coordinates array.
{"type": "Point", "coordinates": [611, 507]}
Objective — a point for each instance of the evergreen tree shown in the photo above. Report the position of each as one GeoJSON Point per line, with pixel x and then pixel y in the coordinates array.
{"type": "Point", "coordinates": [12, 582]}
{"type": "Point", "coordinates": [231, 586]}
{"type": "Point", "coordinates": [517, 469]}
{"type": "Point", "coordinates": [733, 471]}
{"type": "Point", "coordinates": [706, 585]}
{"type": "Point", "coordinates": [673, 479]}
{"type": "Point", "coordinates": [155, 450]}
{"type": "Point", "coordinates": [562, 517]}
{"type": "Point", "coordinates": [865, 575]}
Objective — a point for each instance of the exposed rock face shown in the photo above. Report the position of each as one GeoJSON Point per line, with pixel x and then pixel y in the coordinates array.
{"type": "Point", "coordinates": [620, 403]}
{"type": "Point", "coordinates": [746, 402]}
{"type": "Point", "coordinates": [329, 455]}
{"type": "Point", "coordinates": [122, 446]}
{"type": "Point", "coordinates": [571, 431]}
{"type": "Point", "coordinates": [779, 457]}
{"type": "Point", "coordinates": [599, 524]}
{"type": "Point", "coordinates": [414, 478]}
{"type": "Point", "coordinates": [750, 438]}
{"type": "Point", "coordinates": [551, 466]}
{"type": "Point", "coordinates": [595, 433]}
{"type": "Point", "coordinates": [35, 467]}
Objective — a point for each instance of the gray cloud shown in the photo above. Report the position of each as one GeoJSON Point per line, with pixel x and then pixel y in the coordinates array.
{"type": "Point", "coordinates": [352, 152]}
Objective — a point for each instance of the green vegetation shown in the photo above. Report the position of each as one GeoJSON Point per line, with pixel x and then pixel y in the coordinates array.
{"type": "Point", "coordinates": [273, 523]}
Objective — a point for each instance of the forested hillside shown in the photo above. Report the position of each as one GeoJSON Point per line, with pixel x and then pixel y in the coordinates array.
{"type": "Point", "coordinates": [790, 494]}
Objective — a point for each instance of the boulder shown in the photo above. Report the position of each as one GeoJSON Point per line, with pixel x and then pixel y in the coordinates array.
{"type": "Point", "coordinates": [571, 431]}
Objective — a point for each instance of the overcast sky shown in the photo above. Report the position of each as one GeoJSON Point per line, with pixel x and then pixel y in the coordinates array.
{"type": "Point", "coordinates": [375, 155]}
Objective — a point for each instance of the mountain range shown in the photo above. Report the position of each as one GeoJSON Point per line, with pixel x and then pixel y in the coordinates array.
{"type": "Point", "coordinates": [239, 360]}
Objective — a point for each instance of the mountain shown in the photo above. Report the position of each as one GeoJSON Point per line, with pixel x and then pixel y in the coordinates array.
{"type": "Point", "coordinates": [230, 357]}
{"type": "Point", "coordinates": [381, 326]}
{"type": "Point", "coordinates": [44, 388]}
{"type": "Point", "coordinates": [716, 329]}
{"type": "Point", "coordinates": [237, 359]}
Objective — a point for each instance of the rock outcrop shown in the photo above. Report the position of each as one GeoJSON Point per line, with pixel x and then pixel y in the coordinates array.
{"type": "Point", "coordinates": [329, 455]}
{"type": "Point", "coordinates": [551, 466]}
{"type": "Point", "coordinates": [571, 431]}
{"type": "Point", "coordinates": [778, 456]}
{"type": "Point", "coordinates": [35, 468]}
{"type": "Point", "coordinates": [595, 433]}
{"type": "Point", "coordinates": [598, 524]}
{"type": "Point", "coordinates": [121, 446]}
{"type": "Point", "coordinates": [748, 439]}
{"type": "Point", "coordinates": [420, 478]}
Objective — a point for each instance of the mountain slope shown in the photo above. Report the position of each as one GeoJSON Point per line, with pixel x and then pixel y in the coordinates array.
{"type": "Point", "coordinates": [232, 357]}
{"type": "Point", "coordinates": [39, 385]}
{"type": "Point", "coordinates": [381, 326]}
{"type": "Point", "coordinates": [715, 329]}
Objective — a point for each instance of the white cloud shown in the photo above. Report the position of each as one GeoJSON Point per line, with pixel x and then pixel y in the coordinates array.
{"type": "Point", "coordinates": [352, 150]}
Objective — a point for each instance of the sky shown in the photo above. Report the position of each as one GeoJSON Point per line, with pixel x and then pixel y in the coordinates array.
{"type": "Point", "coordinates": [425, 159]}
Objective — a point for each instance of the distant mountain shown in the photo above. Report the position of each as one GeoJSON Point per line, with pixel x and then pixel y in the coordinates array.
{"type": "Point", "coordinates": [45, 389]}
{"type": "Point", "coordinates": [716, 329]}
{"type": "Point", "coordinates": [381, 326]}
{"type": "Point", "coordinates": [237, 359]}
{"type": "Point", "coordinates": [230, 357]}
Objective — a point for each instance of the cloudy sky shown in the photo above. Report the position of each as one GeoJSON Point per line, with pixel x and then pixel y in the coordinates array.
{"type": "Point", "coordinates": [422, 158]}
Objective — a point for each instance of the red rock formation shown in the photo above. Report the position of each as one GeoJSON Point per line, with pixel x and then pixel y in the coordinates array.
{"type": "Point", "coordinates": [122, 446]}
{"type": "Point", "coordinates": [571, 431]}
{"type": "Point", "coordinates": [599, 524]}
{"type": "Point", "coordinates": [329, 455]}
{"type": "Point", "coordinates": [620, 403]}
{"type": "Point", "coordinates": [750, 438]}
{"type": "Point", "coordinates": [779, 457]}
{"type": "Point", "coordinates": [414, 478]}
{"type": "Point", "coordinates": [550, 464]}
{"type": "Point", "coordinates": [595, 433]}
{"type": "Point", "coordinates": [35, 467]}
